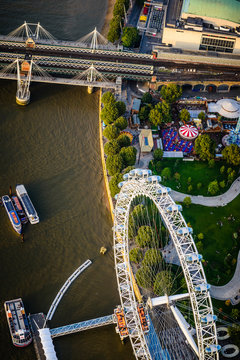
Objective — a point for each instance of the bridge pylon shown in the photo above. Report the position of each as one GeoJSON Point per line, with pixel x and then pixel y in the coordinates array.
{"type": "Point", "coordinates": [24, 74]}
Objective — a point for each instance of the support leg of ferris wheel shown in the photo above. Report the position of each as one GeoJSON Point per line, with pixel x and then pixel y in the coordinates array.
{"type": "Point", "coordinates": [23, 83]}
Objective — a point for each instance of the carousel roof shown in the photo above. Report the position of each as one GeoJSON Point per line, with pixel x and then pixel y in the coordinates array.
{"type": "Point", "coordinates": [228, 108]}
{"type": "Point", "coordinates": [188, 132]}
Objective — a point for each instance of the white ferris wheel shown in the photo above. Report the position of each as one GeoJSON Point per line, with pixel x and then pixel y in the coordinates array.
{"type": "Point", "coordinates": [159, 269]}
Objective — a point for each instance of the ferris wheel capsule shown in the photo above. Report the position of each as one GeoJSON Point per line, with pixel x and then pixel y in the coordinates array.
{"type": "Point", "coordinates": [126, 176]}
{"type": "Point", "coordinates": [174, 208]}
{"type": "Point", "coordinates": [120, 210]}
{"type": "Point", "coordinates": [212, 349]}
{"type": "Point", "coordinates": [155, 179]}
{"type": "Point", "coordinates": [164, 190]}
{"type": "Point", "coordinates": [202, 287]}
{"type": "Point", "coordinates": [121, 184]}
{"type": "Point", "coordinates": [184, 231]}
{"type": "Point", "coordinates": [191, 258]}
{"type": "Point", "coordinates": [210, 318]}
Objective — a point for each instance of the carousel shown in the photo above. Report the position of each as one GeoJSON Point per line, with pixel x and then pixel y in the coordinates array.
{"type": "Point", "coordinates": [188, 132]}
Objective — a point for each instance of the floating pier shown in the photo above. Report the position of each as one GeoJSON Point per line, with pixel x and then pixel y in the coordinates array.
{"type": "Point", "coordinates": [64, 288]}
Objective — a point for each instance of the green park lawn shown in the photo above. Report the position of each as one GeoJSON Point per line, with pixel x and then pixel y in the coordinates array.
{"type": "Point", "coordinates": [218, 242]}
{"type": "Point", "coordinates": [199, 172]}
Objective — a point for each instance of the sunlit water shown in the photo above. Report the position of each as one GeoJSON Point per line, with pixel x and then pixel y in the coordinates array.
{"type": "Point", "coordinates": [52, 146]}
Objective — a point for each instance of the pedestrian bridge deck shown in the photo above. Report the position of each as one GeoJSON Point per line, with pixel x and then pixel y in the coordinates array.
{"type": "Point", "coordinates": [81, 326]}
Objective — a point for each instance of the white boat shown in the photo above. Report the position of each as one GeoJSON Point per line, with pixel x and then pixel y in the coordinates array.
{"type": "Point", "coordinates": [27, 204]}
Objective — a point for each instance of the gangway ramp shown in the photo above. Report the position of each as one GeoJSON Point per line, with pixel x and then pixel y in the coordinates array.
{"type": "Point", "coordinates": [64, 288]}
{"type": "Point", "coordinates": [81, 326]}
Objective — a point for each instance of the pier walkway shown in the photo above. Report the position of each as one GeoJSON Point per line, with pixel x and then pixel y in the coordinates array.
{"type": "Point", "coordinates": [64, 288]}
{"type": "Point", "coordinates": [81, 326]}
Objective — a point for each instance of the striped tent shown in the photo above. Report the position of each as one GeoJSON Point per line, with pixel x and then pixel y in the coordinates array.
{"type": "Point", "coordinates": [188, 132]}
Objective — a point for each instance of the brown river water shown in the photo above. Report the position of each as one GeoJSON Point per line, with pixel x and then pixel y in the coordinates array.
{"type": "Point", "coordinates": [52, 146]}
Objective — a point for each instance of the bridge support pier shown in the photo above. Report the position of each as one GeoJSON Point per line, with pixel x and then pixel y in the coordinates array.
{"type": "Point", "coordinates": [90, 89]}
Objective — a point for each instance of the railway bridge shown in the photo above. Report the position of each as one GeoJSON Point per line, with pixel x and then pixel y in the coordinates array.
{"type": "Point", "coordinates": [31, 53]}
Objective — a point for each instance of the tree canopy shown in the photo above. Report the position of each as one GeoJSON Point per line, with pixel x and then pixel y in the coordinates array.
{"type": "Point", "coordinates": [184, 115]}
{"type": "Point", "coordinates": [109, 113]}
{"type": "Point", "coordinates": [213, 187]}
{"type": "Point", "coordinates": [231, 154]}
{"type": "Point", "coordinates": [114, 164]}
{"type": "Point", "coordinates": [161, 113]}
{"type": "Point", "coordinates": [152, 258]}
{"type": "Point", "coordinates": [130, 36]}
{"type": "Point", "coordinates": [114, 29]}
{"type": "Point", "coordinates": [123, 140]}
{"type": "Point", "coordinates": [144, 112]}
{"type": "Point", "coordinates": [157, 154]}
{"type": "Point", "coordinates": [170, 93]}
{"type": "Point", "coordinates": [202, 115]}
{"type": "Point", "coordinates": [128, 155]}
{"type": "Point", "coordinates": [166, 173]}
{"type": "Point", "coordinates": [113, 183]}
{"type": "Point", "coordinates": [187, 201]}
{"type": "Point", "coordinates": [121, 107]}
{"type": "Point", "coordinates": [144, 276]}
{"type": "Point", "coordinates": [147, 98]}
{"type": "Point", "coordinates": [204, 147]}
{"type": "Point", "coordinates": [136, 219]}
{"type": "Point", "coordinates": [111, 132]}
{"type": "Point", "coordinates": [145, 236]}
{"type": "Point", "coordinates": [135, 255]}
{"type": "Point", "coordinates": [108, 97]}
{"type": "Point", "coordinates": [111, 147]}
{"type": "Point", "coordinates": [164, 283]}
{"type": "Point", "coordinates": [121, 123]}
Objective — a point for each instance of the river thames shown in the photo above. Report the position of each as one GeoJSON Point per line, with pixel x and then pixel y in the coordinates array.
{"type": "Point", "coordinates": [52, 146]}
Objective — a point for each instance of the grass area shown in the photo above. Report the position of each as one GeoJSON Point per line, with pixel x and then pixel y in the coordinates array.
{"type": "Point", "coordinates": [199, 172]}
{"type": "Point", "coordinates": [218, 226]}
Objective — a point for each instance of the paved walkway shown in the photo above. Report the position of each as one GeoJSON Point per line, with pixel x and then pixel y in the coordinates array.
{"type": "Point", "coordinates": [231, 290]}
{"type": "Point", "coordinates": [220, 200]}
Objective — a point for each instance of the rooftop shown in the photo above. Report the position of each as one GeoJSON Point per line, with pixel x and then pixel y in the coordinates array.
{"type": "Point", "coordinates": [221, 9]}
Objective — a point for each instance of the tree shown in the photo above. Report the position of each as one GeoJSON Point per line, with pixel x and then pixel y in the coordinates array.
{"type": "Point", "coordinates": [189, 180]}
{"type": "Point", "coordinates": [114, 29]}
{"type": "Point", "coordinates": [112, 147]}
{"type": "Point", "coordinates": [109, 113]}
{"type": "Point", "coordinates": [128, 155]}
{"type": "Point", "coordinates": [161, 113]}
{"type": "Point", "coordinates": [200, 236]}
{"type": "Point", "coordinates": [187, 201]}
{"type": "Point", "coordinates": [231, 176]}
{"type": "Point", "coordinates": [114, 164]}
{"type": "Point", "coordinates": [107, 98]}
{"type": "Point", "coordinates": [234, 332]}
{"type": "Point", "coordinates": [229, 170]}
{"type": "Point", "coordinates": [158, 167]}
{"type": "Point", "coordinates": [211, 163]}
{"type": "Point", "coordinates": [121, 123]}
{"type": "Point", "coordinates": [157, 154]}
{"type": "Point", "coordinates": [177, 176]}
{"type": "Point", "coordinates": [199, 185]}
{"type": "Point", "coordinates": [152, 258]}
{"type": "Point", "coordinates": [204, 147]}
{"type": "Point", "coordinates": [166, 173]}
{"type": "Point", "coordinates": [202, 115]}
{"type": "Point", "coordinates": [222, 184]}
{"type": "Point", "coordinates": [144, 113]}
{"type": "Point", "coordinates": [123, 140]}
{"type": "Point", "coordinates": [231, 153]}
{"type": "Point", "coordinates": [144, 277]}
{"type": "Point", "coordinates": [190, 187]}
{"type": "Point", "coordinates": [130, 36]}
{"type": "Point", "coordinates": [184, 115]}
{"type": "Point", "coordinates": [213, 187]}
{"type": "Point", "coordinates": [147, 98]}
{"type": "Point", "coordinates": [136, 219]}
{"type": "Point", "coordinates": [164, 283]}
{"type": "Point", "coordinates": [121, 107]}
{"type": "Point", "coordinates": [222, 169]}
{"type": "Point", "coordinates": [235, 313]}
{"type": "Point", "coordinates": [145, 236]}
{"type": "Point", "coordinates": [129, 168]}
{"type": "Point", "coordinates": [135, 255]}
{"type": "Point", "coordinates": [113, 183]}
{"type": "Point", "coordinates": [118, 9]}
{"type": "Point", "coordinates": [170, 93]}
{"type": "Point", "coordinates": [111, 132]}
{"type": "Point", "coordinates": [199, 246]}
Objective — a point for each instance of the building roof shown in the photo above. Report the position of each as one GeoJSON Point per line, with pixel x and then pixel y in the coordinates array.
{"type": "Point", "coordinates": [228, 108]}
{"type": "Point", "coordinates": [136, 104]}
{"type": "Point", "coordinates": [146, 140]}
{"type": "Point", "coordinates": [220, 9]}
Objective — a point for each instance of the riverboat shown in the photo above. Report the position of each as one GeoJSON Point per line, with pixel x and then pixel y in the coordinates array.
{"type": "Point", "coordinates": [12, 214]}
{"type": "Point", "coordinates": [18, 207]}
{"type": "Point", "coordinates": [18, 323]}
{"type": "Point", "coordinates": [27, 204]}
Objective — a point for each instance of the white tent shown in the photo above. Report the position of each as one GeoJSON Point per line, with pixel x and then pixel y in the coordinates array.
{"type": "Point", "coordinates": [228, 108]}
{"type": "Point", "coordinates": [47, 344]}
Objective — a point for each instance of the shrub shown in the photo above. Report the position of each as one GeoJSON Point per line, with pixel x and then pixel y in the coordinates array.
{"type": "Point", "coordinates": [199, 246]}
{"type": "Point", "coordinates": [199, 185]}
{"type": "Point", "coordinates": [222, 184]}
{"type": "Point", "coordinates": [222, 169]}
{"type": "Point", "coordinates": [166, 173]}
{"type": "Point", "coordinates": [190, 188]}
{"type": "Point", "coordinates": [187, 201]}
{"type": "Point", "coordinates": [200, 236]}
{"type": "Point", "coordinates": [211, 163]}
